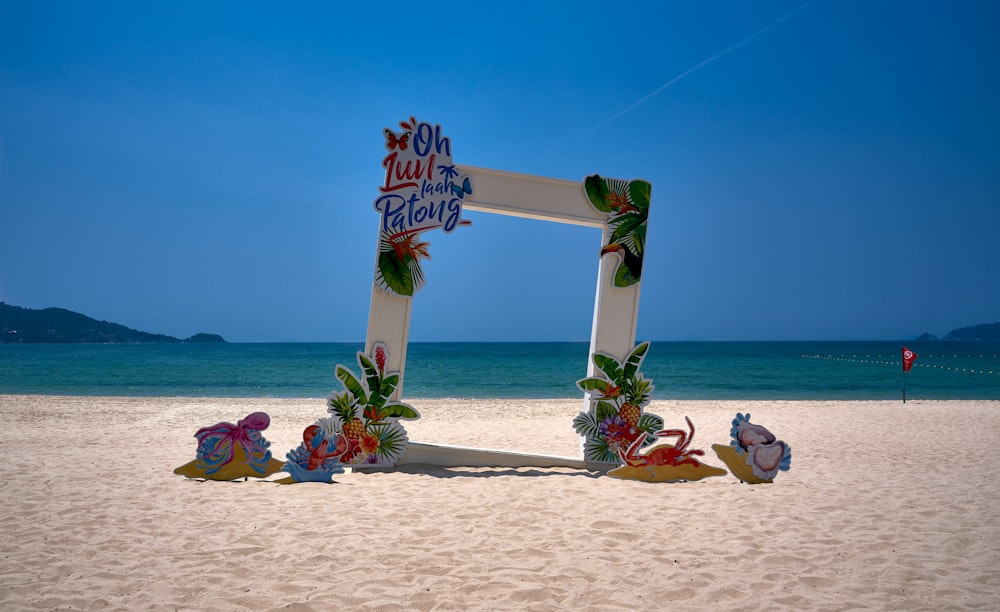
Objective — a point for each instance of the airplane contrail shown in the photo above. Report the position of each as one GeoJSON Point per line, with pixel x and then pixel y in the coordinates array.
{"type": "Point", "coordinates": [695, 68]}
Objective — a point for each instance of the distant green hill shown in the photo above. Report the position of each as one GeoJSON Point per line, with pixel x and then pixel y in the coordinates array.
{"type": "Point", "coordinates": [25, 325]}
{"type": "Point", "coordinates": [986, 331]}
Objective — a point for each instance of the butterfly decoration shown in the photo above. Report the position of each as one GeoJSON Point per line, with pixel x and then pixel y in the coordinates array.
{"type": "Point", "coordinates": [393, 140]}
{"type": "Point", "coordinates": [466, 188]}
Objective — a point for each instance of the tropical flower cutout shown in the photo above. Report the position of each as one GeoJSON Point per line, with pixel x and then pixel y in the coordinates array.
{"type": "Point", "coordinates": [363, 415]}
{"type": "Point", "coordinates": [627, 205]}
{"type": "Point", "coordinates": [616, 420]}
{"type": "Point", "coordinates": [754, 454]}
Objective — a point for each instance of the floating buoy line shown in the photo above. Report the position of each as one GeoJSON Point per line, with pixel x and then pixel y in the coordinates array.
{"type": "Point", "coordinates": [881, 359]}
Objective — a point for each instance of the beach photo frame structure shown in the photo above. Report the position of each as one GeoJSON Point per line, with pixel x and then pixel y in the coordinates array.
{"type": "Point", "coordinates": [424, 190]}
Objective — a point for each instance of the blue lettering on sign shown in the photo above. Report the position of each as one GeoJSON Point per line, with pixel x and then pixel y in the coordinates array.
{"type": "Point", "coordinates": [400, 214]}
{"type": "Point", "coordinates": [429, 139]}
{"type": "Point", "coordinates": [423, 189]}
{"type": "Point", "coordinates": [454, 214]}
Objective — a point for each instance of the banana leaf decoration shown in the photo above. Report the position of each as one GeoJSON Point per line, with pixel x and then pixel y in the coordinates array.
{"type": "Point", "coordinates": [363, 414]}
{"type": "Point", "coordinates": [398, 268]}
{"type": "Point", "coordinates": [627, 206]}
{"type": "Point", "coordinates": [617, 415]}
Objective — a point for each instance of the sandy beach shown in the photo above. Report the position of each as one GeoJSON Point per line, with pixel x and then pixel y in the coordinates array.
{"type": "Point", "coordinates": [887, 506]}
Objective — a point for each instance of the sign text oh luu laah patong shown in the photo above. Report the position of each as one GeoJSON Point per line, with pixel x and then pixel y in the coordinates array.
{"type": "Point", "coordinates": [423, 190]}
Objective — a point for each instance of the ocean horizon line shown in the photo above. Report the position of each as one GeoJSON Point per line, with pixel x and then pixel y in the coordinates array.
{"type": "Point", "coordinates": [849, 340]}
{"type": "Point", "coordinates": [971, 342]}
{"type": "Point", "coordinates": [784, 369]}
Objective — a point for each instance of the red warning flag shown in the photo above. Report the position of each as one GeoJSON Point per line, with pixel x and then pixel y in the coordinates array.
{"type": "Point", "coordinates": [908, 359]}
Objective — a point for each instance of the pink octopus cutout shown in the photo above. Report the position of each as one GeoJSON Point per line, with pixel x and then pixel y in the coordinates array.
{"type": "Point", "coordinates": [216, 443]}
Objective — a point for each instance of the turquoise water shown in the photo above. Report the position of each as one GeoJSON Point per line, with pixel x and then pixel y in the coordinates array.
{"type": "Point", "coordinates": [680, 370]}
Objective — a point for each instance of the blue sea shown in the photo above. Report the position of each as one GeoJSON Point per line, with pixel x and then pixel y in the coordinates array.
{"type": "Point", "coordinates": [679, 370]}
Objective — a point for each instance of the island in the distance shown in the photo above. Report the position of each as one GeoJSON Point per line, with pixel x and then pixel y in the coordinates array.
{"type": "Point", "coordinates": [52, 325]}
{"type": "Point", "coordinates": [986, 331]}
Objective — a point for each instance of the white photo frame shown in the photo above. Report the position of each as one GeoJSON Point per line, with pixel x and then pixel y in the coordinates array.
{"type": "Point", "coordinates": [616, 308]}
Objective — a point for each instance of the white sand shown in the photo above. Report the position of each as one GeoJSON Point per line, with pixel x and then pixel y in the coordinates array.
{"type": "Point", "coordinates": [887, 506]}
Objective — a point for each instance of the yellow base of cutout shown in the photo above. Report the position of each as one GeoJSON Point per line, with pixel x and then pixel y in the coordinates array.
{"type": "Point", "coordinates": [234, 470]}
{"type": "Point", "coordinates": [666, 473]}
{"type": "Point", "coordinates": [737, 464]}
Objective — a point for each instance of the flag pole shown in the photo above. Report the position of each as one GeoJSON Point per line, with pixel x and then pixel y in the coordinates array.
{"type": "Point", "coordinates": [908, 357]}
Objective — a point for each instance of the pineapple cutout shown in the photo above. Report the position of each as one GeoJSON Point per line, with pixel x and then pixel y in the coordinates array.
{"type": "Point", "coordinates": [362, 414]}
{"type": "Point", "coordinates": [616, 417]}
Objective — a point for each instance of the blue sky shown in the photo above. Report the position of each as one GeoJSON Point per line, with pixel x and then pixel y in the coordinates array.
{"type": "Point", "coordinates": [820, 170]}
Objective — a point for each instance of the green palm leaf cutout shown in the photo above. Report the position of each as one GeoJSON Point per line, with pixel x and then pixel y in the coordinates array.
{"type": "Point", "coordinates": [392, 441]}
{"type": "Point", "coordinates": [624, 278]}
{"type": "Point", "coordinates": [399, 411]}
{"type": "Point", "coordinates": [416, 273]}
{"type": "Point", "coordinates": [650, 423]}
{"type": "Point", "coordinates": [640, 193]}
{"type": "Point", "coordinates": [629, 234]}
{"type": "Point", "coordinates": [597, 450]}
{"type": "Point", "coordinates": [604, 409]}
{"type": "Point", "coordinates": [394, 274]}
{"type": "Point", "coordinates": [597, 191]}
{"type": "Point", "coordinates": [351, 383]}
{"type": "Point", "coordinates": [593, 384]}
{"type": "Point", "coordinates": [627, 206]}
{"type": "Point", "coordinates": [372, 376]}
{"type": "Point", "coordinates": [585, 424]}
{"type": "Point", "coordinates": [385, 389]}
{"type": "Point", "coordinates": [635, 358]}
{"type": "Point", "coordinates": [629, 229]}
{"type": "Point", "coordinates": [610, 366]}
